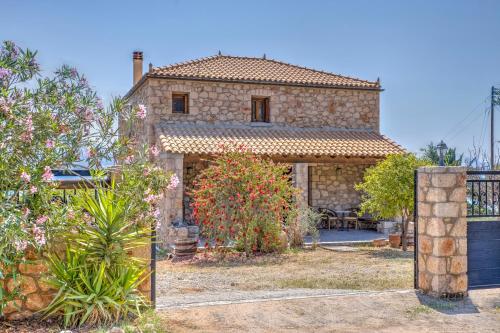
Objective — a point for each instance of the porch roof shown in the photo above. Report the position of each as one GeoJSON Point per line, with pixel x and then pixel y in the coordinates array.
{"type": "Point", "coordinates": [275, 140]}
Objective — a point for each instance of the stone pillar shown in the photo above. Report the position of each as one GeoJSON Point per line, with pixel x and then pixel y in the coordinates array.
{"type": "Point", "coordinates": [442, 231]}
{"type": "Point", "coordinates": [301, 181]}
{"type": "Point", "coordinates": [171, 208]}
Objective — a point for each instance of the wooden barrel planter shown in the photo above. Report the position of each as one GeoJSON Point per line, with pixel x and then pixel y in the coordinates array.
{"type": "Point", "coordinates": [185, 248]}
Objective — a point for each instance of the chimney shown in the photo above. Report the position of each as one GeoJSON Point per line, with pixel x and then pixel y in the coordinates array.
{"type": "Point", "coordinates": [137, 59]}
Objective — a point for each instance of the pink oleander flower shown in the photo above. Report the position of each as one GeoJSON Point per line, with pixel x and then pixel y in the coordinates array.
{"type": "Point", "coordinates": [20, 245]}
{"type": "Point", "coordinates": [42, 219]}
{"type": "Point", "coordinates": [39, 235]}
{"type": "Point", "coordinates": [156, 213]}
{"type": "Point", "coordinates": [154, 151]}
{"type": "Point", "coordinates": [141, 112]}
{"type": "Point", "coordinates": [174, 182]}
{"type": "Point", "coordinates": [50, 143]}
{"type": "Point", "coordinates": [99, 104]}
{"type": "Point", "coordinates": [88, 115]}
{"type": "Point", "coordinates": [129, 159]}
{"type": "Point", "coordinates": [47, 174]}
{"type": "Point", "coordinates": [27, 135]}
{"type": "Point", "coordinates": [5, 72]}
{"type": "Point", "coordinates": [33, 189]}
{"type": "Point", "coordinates": [70, 214]}
{"type": "Point", "coordinates": [146, 172]}
{"type": "Point", "coordinates": [25, 177]}
{"type": "Point", "coordinates": [150, 198]}
{"type": "Point", "coordinates": [26, 211]}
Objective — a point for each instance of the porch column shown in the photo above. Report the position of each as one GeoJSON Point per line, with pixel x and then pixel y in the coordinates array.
{"type": "Point", "coordinates": [171, 208]}
{"type": "Point", "coordinates": [301, 181]}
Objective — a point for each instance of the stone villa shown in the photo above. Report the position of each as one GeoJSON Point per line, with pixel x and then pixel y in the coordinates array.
{"type": "Point", "coordinates": [326, 126]}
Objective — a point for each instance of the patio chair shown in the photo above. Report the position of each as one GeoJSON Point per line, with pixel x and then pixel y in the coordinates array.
{"type": "Point", "coordinates": [329, 218]}
{"type": "Point", "coordinates": [351, 219]}
{"type": "Point", "coordinates": [366, 221]}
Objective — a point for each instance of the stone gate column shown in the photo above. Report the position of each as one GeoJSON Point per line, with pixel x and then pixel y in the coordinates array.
{"type": "Point", "coordinates": [442, 231]}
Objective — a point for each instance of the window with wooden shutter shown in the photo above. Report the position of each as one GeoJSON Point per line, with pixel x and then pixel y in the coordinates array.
{"type": "Point", "coordinates": [260, 109]}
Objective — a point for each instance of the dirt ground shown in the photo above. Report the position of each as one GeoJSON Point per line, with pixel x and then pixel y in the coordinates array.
{"type": "Point", "coordinates": [302, 272]}
{"type": "Point", "coordinates": [394, 311]}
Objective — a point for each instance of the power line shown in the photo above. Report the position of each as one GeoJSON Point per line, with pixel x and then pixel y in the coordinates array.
{"type": "Point", "coordinates": [482, 136]}
{"type": "Point", "coordinates": [456, 129]}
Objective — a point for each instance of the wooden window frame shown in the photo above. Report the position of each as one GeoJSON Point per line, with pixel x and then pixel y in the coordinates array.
{"type": "Point", "coordinates": [267, 110]}
{"type": "Point", "coordinates": [186, 102]}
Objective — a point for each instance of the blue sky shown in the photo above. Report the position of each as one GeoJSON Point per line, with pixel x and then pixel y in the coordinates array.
{"type": "Point", "coordinates": [437, 60]}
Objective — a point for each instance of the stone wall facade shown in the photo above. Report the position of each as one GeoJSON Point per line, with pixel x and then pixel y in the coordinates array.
{"type": "Point", "coordinates": [230, 103]}
{"type": "Point", "coordinates": [37, 294]}
{"type": "Point", "coordinates": [332, 185]}
{"type": "Point", "coordinates": [442, 231]}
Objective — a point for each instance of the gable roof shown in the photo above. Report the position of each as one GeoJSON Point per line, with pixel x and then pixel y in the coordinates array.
{"type": "Point", "coordinates": [275, 141]}
{"type": "Point", "coordinates": [257, 70]}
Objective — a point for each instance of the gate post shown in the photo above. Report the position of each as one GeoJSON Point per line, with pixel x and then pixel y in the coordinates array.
{"type": "Point", "coordinates": [442, 231]}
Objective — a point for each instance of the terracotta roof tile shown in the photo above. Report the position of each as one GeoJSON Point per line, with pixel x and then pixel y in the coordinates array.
{"type": "Point", "coordinates": [257, 70]}
{"type": "Point", "coordinates": [275, 141]}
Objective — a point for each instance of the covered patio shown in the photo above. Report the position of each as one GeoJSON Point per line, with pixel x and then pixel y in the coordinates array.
{"type": "Point", "coordinates": [325, 165]}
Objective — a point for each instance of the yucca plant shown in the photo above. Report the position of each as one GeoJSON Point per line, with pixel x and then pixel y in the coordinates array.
{"type": "Point", "coordinates": [110, 234]}
{"type": "Point", "coordinates": [97, 278]}
{"type": "Point", "coordinates": [90, 293]}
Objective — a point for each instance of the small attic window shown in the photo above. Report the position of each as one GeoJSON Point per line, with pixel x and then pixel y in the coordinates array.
{"type": "Point", "coordinates": [180, 103]}
{"type": "Point", "coordinates": [260, 109]}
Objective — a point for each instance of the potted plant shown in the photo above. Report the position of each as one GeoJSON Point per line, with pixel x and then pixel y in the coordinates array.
{"type": "Point", "coordinates": [395, 236]}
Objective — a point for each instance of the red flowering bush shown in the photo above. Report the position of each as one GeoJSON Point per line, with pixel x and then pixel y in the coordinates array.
{"type": "Point", "coordinates": [243, 199]}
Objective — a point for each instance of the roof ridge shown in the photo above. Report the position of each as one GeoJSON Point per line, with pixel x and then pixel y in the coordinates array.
{"type": "Point", "coordinates": [281, 62]}
{"type": "Point", "coordinates": [188, 62]}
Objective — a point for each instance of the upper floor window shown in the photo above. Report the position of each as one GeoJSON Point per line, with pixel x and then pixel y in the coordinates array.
{"type": "Point", "coordinates": [180, 103]}
{"type": "Point", "coordinates": [260, 109]}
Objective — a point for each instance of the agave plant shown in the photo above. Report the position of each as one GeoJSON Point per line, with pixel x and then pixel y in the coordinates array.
{"type": "Point", "coordinates": [97, 278]}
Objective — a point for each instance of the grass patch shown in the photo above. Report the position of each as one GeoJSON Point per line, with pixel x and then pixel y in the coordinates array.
{"type": "Point", "coordinates": [370, 268]}
{"type": "Point", "coordinates": [414, 312]}
{"type": "Point", "coordinates": [353, 282]}
{"type": "Point", "coordinates": [149, 322]}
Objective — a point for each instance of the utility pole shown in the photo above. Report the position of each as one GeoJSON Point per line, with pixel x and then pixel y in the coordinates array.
{"type": "Point", "coordinates": [495, 100]}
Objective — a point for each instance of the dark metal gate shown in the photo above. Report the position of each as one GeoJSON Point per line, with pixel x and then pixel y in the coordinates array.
{"type": "Point", "coordinates": [483, 228]}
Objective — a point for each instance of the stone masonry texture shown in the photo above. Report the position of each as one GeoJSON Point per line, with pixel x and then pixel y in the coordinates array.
{"type": "Point", "coordinates": [230, 103]}
{"type": "Point", "coordinates": [442, 230]}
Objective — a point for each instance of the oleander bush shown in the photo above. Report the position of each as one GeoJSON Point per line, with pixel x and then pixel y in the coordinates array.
{"type": "Point", "coordinates": [58, 122]}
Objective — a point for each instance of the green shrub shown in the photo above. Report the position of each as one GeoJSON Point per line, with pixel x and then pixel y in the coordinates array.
{"type": "Point", "coordinates": [304, 222]}
{"type": "Point", "coordinates": [243, 199]}
{"type": "Point", "coordinates": [96, 278]}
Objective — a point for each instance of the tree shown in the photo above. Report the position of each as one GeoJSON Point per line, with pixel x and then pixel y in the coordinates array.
{"type": "Point", "coordinates": [431, 154]}
{"type": "Point", "coordinates": [388, 189]}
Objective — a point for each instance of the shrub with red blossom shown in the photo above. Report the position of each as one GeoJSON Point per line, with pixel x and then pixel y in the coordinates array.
{"type": "Point", "coordinates": [244, 200]}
